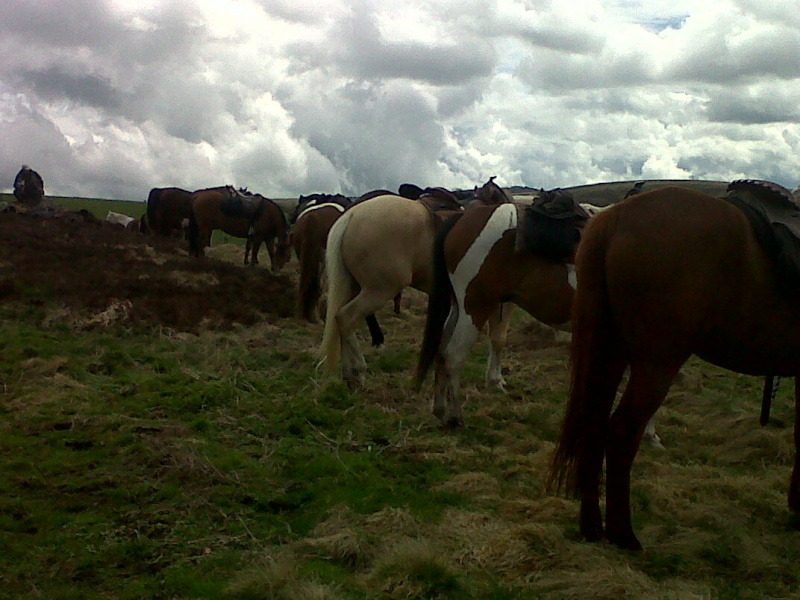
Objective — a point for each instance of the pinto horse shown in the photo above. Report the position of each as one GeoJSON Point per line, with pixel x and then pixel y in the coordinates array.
{"type": "Point", "coordinates": [486, 257]}
{"type": "Point", "coordinates": [661, 276]}
{"type": "Point", "coordinates": [241, 215]}
{"type": "Point", "coordinates": [377, 248]}
{"type": "Point", "coordinates": [167, 208]}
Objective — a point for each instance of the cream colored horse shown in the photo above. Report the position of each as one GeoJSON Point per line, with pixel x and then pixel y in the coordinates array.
{"type": "Point", "coordinates": [375, 249]}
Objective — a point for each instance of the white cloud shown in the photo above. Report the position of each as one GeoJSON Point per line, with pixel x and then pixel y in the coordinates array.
{"type": "Point", "coordinates": [110, 98]}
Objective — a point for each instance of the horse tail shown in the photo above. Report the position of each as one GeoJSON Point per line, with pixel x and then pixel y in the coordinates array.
{"type": "Point", "coordinates": [311, 257]}
{"type": "Point", "coordinates": [152, 202]}
{"type": "Point", "coordinates": [340, 292]}
{"type": "Point", "coordinates": [439, 304]}
{"type": "Point", "coordinates": [596, 365]}
{"type": "Point", "coordinates": [193, 235]}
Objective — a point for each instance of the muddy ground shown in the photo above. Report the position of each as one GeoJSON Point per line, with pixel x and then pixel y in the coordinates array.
{"type": "Point", "coordinates": [97, 272]}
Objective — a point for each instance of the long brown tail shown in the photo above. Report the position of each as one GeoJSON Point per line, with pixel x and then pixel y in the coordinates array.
{"type": "Point", "coordinates": [596, 366]}
{"type": "Point", "coordinates": [310, 289]}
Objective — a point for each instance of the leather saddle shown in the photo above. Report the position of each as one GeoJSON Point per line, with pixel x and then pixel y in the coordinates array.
{"type": "Point", "coordinates": [241, 205]}
{"type": "Point", "coordinates": [550, 227]}
{"type": "Point", "coordinates": [774, 213]}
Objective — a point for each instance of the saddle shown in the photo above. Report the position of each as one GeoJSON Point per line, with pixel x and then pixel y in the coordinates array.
{"type": "Point", "coordinates": [550, 227]}
{"type": "Point", "coordinates": [441, 203]}
{"type": "Point", "coordinates": [243, 205]}
{"type": "Point", "coordinates": [774, 213]}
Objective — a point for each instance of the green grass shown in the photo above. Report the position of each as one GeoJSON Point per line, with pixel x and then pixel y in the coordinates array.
{"type": "Point", "coordinates": [138, 463]}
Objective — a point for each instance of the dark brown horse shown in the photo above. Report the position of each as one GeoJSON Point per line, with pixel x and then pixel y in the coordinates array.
{"type": "Point", "coordinates": [313, 219]}
{"type": "Point", "coordinates": [661, 276]}
{"type": "Point", "coordinates": [486, 257]}
{"type": "Point", "coordinates": [241, 215]}
{"type": "Point", "coordinates": [167, 210]}
{"type": "Point", "coordinates": [28, 186]}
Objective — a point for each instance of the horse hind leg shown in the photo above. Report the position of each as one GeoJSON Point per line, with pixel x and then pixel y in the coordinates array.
{"type": "Point", "coordinates": [450, 363]}
{"type": "Point", "coordinates": [348, 318]}
{"type": "Point", "coordinates": [498, 332]}
{"type": "Point", "coordinates": [794, 484]}
{"type": "Point", "coordinates": [396, 302]}
{"type": "Point", "coordinates": [647, 387]}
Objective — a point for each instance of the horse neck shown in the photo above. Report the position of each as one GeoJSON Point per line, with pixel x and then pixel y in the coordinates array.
{"type": "Point", "coordinates": [281, 222]}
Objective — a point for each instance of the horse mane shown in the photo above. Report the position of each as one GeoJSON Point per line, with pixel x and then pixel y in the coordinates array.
{"type": "Point", "coordinates": [491, 193]}
{"type": "Point", "coordinates": [636, 189]}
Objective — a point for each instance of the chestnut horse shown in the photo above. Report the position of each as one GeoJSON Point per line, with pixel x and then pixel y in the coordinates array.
{"type": "Point", "coordinates": [241, 215]}
{"type": "Point", "coordinates": [486, 257]}
{"type": "Point", "coordinates": [377, 248]}
{"type": "Point", "coordinates": [661, 276]}
{"type": "Point", "coordinates": [167, 210]}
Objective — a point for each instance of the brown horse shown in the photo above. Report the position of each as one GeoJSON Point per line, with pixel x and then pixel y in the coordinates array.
{"type": "Point", "coordinates": [241, 215]}
{"type": "Point", "coordinates": [167, 209]}
{"type": "Point", "coordinates": [313, 219]}
{"type": "Point", "coordinates": [375, 250]}
{"type": "Point", "coordinates": [482, 259]}
{"type": "Point", "coordinates": [28, 186]}
{"type": "Point", "coordinates": [661, 276]}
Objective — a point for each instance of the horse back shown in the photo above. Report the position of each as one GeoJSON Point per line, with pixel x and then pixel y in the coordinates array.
{"type": "Point", "coordinates": [482, 245]}
{"type": "Point", "coordinates": [688, 276]}
{"type": "Point", "coordinates": [311, 229]}
{"type": "Point", "coordinates": [393, 234]}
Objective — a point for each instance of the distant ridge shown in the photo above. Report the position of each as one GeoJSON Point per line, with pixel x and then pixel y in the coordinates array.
{"type": "Point", "coordinates": [602, 194]}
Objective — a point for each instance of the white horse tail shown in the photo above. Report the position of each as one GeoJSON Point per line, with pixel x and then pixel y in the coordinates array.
{"type": "Point", "coordinates": [340, 292]}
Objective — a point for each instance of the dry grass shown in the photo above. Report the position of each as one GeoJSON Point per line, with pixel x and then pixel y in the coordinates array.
{"type": "Point", "coordinates": [161, 463]}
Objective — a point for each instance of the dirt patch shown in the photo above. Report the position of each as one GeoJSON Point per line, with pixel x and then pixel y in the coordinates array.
{"type": "Point", "coordinates": [79, 263]}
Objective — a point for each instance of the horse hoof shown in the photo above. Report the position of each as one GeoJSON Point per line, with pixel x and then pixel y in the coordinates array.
{"type": "Point", "coordinates": [497, 384]}
{"type": "Point", "coordinates": [593, 533]}
{"type": "Point", "coordinates": [453, 423]}
{"type": "Point", "coordinates": [626, 541]}
{"type": "Point", "coordinates": [655, 442]}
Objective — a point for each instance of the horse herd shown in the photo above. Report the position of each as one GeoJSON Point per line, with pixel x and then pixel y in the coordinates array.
{"type": "Point", "coordinates": [643, 284]}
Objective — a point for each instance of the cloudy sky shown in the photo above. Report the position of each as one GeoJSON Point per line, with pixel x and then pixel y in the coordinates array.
{"type": "Point", "coordinates": [108, 98]}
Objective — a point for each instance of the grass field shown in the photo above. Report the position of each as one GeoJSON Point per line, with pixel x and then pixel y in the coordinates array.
{"type": "Point", "coordinates": [139, 461]}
